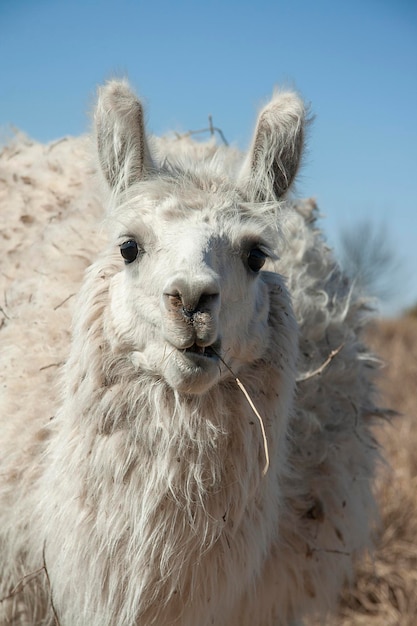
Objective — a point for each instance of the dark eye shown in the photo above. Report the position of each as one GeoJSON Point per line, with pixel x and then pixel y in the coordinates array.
{"type": "Point", "coordinates": [256, 259]}
{"type": "Point", "coordinates": [129, 250]}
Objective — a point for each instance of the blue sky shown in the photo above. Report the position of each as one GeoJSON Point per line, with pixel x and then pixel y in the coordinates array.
{"type": "Point", "coordinates": [355, 61]}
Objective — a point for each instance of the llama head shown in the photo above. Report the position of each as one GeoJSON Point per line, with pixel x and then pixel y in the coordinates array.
{"type": "Point", "coordinates": [196, 286]}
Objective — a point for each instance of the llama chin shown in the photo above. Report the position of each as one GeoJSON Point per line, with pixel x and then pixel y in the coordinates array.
{"type": "Point", "coordinates": [189, 371]}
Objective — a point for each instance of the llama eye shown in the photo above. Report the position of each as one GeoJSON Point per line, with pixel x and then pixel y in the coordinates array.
{"type": "Point", "coordinates": [256, 259]}
{"type": "Point", "coordinates": [129, 250]}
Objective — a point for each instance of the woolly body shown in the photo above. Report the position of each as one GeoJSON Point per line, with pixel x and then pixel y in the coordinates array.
{"type": "Point", "coordinates": [136, 484]}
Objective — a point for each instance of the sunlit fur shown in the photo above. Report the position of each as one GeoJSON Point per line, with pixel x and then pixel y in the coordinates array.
{"type": "Point", "coordinates": [131, 486]}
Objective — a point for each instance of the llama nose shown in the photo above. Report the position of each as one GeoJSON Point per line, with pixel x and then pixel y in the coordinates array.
{"type": "Point", "coordinates": [188, 297]}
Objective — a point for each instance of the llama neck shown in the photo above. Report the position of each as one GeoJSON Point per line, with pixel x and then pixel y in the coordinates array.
{"type": "Point", "coordinates": [194, 444]}
{"type": "Point", "coordinates": [174, 482]}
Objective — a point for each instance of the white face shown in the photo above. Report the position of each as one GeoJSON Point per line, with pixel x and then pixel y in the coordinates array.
{"type": "Point", "coordinates": [191, 291]}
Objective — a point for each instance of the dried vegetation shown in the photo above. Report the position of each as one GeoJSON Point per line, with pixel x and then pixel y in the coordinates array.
{"type": "Point", "coordinates": [385, 592]}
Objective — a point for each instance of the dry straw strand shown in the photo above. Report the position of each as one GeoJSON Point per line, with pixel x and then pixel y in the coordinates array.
{"type": "Point", "coordinates": [254, 409]}
{"type": "Point", "coordinates": [261, 423]}
{"type": "Point", "coordinates": [303, 377]}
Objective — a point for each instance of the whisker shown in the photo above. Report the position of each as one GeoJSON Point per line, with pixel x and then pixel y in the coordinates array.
{"type": "Point", "coordinates": [163, 361]}
{"type": "Point", "coordinates": [166, 356]}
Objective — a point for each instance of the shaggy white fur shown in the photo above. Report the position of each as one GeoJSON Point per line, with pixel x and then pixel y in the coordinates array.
{"type": "Point", "coordinates": [132, 492]}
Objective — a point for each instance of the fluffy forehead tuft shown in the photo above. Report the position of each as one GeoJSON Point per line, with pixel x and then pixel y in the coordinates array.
{"type": "Point", "coordinates": [172, 197]}
{"type": "Point", "coordinates": [151, 208]}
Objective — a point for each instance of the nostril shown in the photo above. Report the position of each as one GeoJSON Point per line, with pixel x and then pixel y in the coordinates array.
{"type": "Point", "coordinates": [173, 300]}
{"type": "Point", "coordinates": [207, 301]}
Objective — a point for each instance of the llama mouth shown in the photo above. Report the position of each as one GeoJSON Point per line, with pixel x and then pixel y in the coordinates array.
{"type": "Point", "coordinates": [208, 352]}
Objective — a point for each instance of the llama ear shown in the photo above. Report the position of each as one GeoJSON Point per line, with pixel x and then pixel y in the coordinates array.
{"type": "Point", "coordinates": [274, 157]}
{"type": "Point", "coordinates": [120, 131]}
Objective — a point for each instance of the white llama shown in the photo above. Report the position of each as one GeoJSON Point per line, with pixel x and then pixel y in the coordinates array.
{"type": "Point", "coordinates": [144, 491]}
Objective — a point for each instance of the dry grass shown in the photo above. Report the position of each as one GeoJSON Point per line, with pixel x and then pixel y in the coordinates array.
{"type": "Point", "coordinates": [385, 592]}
